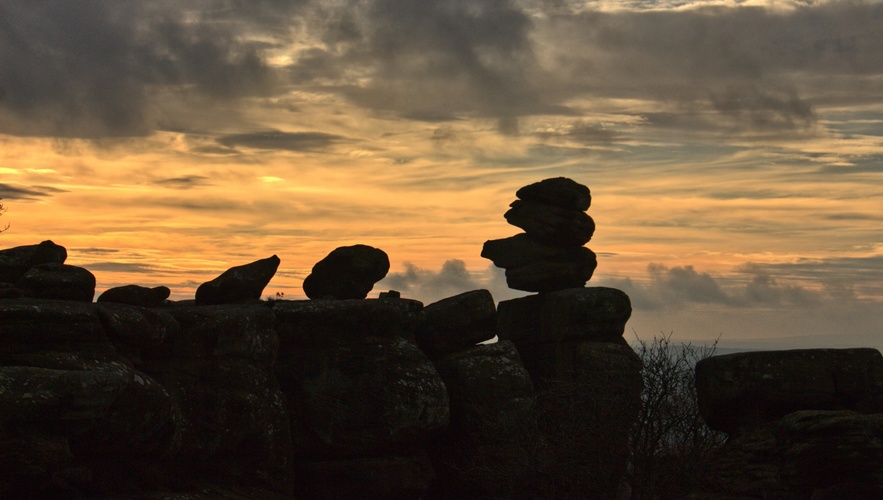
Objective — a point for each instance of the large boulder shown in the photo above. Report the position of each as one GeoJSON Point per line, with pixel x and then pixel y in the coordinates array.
{"type": "Point", "coordinates": [742, 390]}
{"type": "Point", "coordinates": [238, 284]}
{"type": "Point", "coordinates": [595, 313]}
{"type": "Point", "coordinates": [553, 275]}
{"type": "Point", "coordinates": [348, 272]}
{"type": "Point", "coordinates": [136, 295]}
{"type": "Point", "coordinates": [457, 323]}
{"type": "Point", "coordinates": [58, 281]}
{"type": "Point", "coordinates": [15, 262]}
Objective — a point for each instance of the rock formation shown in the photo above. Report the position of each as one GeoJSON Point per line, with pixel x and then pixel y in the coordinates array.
{"type": "Point", "coordinates": [803, 424]}
{"type": "Point", "coordinates": [549, 255]}
{"type": "Point", "coordinates": [347, 273]}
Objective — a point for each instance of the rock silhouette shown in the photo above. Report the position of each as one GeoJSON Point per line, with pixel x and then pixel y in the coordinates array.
{"type": "Point", "coordinates": [347, 273]}
{"type": "Point", "coordinates": [238, 284]}
{"type": "Point", "coordinates": [136, 295]}
{"type": "Point", "coordinates": [549, 255]}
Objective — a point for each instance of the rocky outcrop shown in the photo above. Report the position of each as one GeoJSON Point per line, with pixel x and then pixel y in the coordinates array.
{"type": "Point", "coordinates": [743, 390]}
{"type": "Point", "coordinates": [363, 400]}
{"type": "Point", "coordinates": [15, 262]}
{"type": "Point", "coordinates": [238, 284]}
{"type": "Point", "coordinates": [571, 344]}
{"type": "Point", "coordinates": [347, 273]}
{"type": "Point", "coordinates": [549, 255]}
{"type": "Point", "coordinates": [802, 424]}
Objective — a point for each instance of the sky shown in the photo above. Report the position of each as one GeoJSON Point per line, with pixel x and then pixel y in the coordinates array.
{"type": "Point", "coordinates": [734, 149]}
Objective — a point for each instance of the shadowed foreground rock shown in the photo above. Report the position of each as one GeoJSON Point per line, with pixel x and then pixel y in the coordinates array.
{"type": "Point", "coordinates": [803, 424]}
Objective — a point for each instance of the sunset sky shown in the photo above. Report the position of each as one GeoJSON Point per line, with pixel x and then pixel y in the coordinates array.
{"type": "Point", "coordinates": [734, 149]}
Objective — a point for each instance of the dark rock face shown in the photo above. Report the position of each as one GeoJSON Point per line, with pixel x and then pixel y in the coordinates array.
{"type": "Point", "coordinates": [238, 284]}
{"type": "Point", "coordinates": [592, 314]}
{"type": "Point", "coordinates": [359, 392]}
{"type": "Point", "coordinates": [58, 281]}
{"type": "Point", "coordinates": [347, 273]}
{"type": "Point", "coordinates": [486, 452]}
{"type": "Point", "coordinates": [742, 390]}
{"type": "Point", "coordinates": [549, 255]}
{"type": "Point", "coordinates": [457, 323]}
{"type": "Point", "coordinates": [806, 454]}
{"type": "Point", "coordinates": [15, 262]}
{"type": "Point", "coordinates": [571, 344]}
{"type": "Point", "coordinates": [136, 295]}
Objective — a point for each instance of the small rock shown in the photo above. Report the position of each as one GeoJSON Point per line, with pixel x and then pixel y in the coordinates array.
{"type": "Point", "coordinates": [347, 273]}
{"type": "Point", "coordinates": [238, 284]}
{"type": "Point", "coordinates": [135, 295]}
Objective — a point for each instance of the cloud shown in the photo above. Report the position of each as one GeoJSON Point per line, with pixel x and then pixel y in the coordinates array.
{"type": "Point", "coordinates": [452, 279]}
{"type": "Point", "coordinates": [286, 141]}
{"type": "Point", "coordinates": [11, 192]}
{"type": "Point", "coordinates": [184, 182]}
{"type": "Point", "coordinates": [96, 69]}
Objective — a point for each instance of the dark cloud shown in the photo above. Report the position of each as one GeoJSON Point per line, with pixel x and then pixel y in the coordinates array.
{"type": "Point", "coordinates": [11, 192]}
{"type": "Point", "coordinates": [453, 278]}
{"type": "Point", "coordinates": [94, 69]}
{"type": "Point", "coordinates": [287, 141]}
{"type": "Point", "coordinates": [185, 182]}
{"type": "Point", "coordinates": [584, 133]}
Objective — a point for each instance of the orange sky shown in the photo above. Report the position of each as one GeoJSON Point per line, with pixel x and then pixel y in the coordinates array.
{"type": "Point", "coordinates": [734, 153]}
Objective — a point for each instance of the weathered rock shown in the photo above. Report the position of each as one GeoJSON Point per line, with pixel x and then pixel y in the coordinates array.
{"type": "Point", "coordinates": [491, 393]}
{"type": "Point", "coordinates": [457, 323]}
{"type": "Point", "coordinates": [58, 281]}
{"type": "Point", "coordinates": [595, 313]}
{"type": "Point", "coordinates": [356, 382]}
{"type": "Point", "coordinates": [550, 223]}
{"type": "Point", "coordinates": [62, 335]}
{"type": "Point", "coordinates": [589, 395]}
{"type": "Point", "coordinates": [137, 327]}
{"type": "Point", "coordinates": [742, 390]}
{"type": "Point", "coordinates": [238, 284]}
{"type": "Point", "coordinates": [228, 332]}
{"type": "Point", "coordinates": [347, 273]}
{"type": "Point", "coordinates": [558, 191]}
{"type": "Point", "coordinates": [136, 295]}
{"type": "Point", "coordinates": [369, 398]}
{"type": "Point", "coordinates": [521, 250]}
{"type": "Point", "coordinates": [553, 275]}
{"type": "Point", "coordinates": [15, 262]}
{"type": "Point", "coordinates": [806, 454]}
{"type": "Point", "coordinates": [326, 323]}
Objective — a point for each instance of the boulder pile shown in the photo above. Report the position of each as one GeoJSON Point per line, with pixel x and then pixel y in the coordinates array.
{"type": "Point", "coordinates": [549, 255]}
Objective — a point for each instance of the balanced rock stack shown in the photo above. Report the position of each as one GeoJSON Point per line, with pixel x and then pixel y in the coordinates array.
{"type": "Point", "coordinates": [549, 255]}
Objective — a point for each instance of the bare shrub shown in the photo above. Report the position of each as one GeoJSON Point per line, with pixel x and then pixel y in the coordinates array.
{"type": "Point", "coordinates": [670, 443]}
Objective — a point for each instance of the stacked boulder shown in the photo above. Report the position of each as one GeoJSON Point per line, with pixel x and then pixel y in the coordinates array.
{"type": "Point", "coordinates": [549, 255]}
{"type": "Point", "coordinates": [570, 340]}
